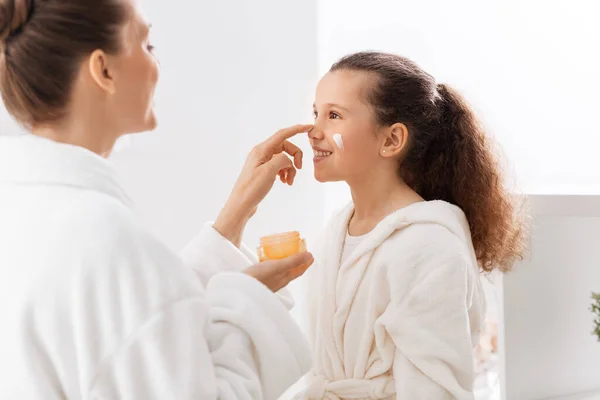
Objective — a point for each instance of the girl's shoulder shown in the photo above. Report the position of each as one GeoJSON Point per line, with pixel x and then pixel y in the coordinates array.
{"type": "Point", "coordinates": [426, 236]}
{"type": "Point", "coordinates": [424, 245]}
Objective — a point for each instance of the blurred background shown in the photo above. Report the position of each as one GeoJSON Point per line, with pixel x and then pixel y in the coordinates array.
{"type": "Point", "coordinates": [235, 71]}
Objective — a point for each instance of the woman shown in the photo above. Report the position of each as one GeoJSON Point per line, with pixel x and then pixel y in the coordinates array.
{"type": "Point", "coordinates": [98, 309]}
{"type": "Point", "coordinates": [396, 304]}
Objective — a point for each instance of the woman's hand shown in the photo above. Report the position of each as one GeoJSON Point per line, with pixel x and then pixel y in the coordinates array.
{"type": "Point", "coordinates": [264, 163]}
{"type": "Point", "coordinates": [277, 274]}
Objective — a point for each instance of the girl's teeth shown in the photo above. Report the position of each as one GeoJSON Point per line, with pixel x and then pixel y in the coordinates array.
{"type": "Point", "coordinates": [322, 153]}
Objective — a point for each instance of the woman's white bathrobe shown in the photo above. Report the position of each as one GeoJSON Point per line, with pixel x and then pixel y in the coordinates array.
{"type": "Point", "coordinates": [399, 318]}
{"type": "Point", "coordinates": [93, 307]}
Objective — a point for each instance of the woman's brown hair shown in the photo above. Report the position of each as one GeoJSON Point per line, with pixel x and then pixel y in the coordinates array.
{"type": "Point", "coordinates": [449, 157]}
{"type": "Point", "coordinates": [43, 42]}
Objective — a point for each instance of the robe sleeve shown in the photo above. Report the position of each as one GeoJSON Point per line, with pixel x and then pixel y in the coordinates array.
{"type": "Point", "coordinates": [210, 253]}
{"type": "Point", "coordinates": [428, 322]}
{"type": "Point", "coordinates": [233, 341]}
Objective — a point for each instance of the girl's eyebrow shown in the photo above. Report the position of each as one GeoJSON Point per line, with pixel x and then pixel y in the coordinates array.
{"type": "Point", "coordinates": [333, 105]}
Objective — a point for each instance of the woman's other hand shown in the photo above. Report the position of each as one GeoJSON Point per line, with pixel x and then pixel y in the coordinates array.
{"type": "Point", "coordinates": [277, 274]}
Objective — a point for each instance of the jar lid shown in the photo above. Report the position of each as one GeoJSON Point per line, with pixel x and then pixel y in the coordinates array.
{"type": "Point", "coordinates": [280, 237]}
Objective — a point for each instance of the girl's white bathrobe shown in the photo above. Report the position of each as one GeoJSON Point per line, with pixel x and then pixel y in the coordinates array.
{"type": "Point", "coordinates": [398, 319]}
{"type": "Point", "coordinates": [93, 307]}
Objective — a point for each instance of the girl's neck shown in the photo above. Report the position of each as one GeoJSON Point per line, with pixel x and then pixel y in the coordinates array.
{"type": "Point", "coordinates": [377, 197]}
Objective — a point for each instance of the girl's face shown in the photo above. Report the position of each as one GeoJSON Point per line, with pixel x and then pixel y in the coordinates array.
{"type": "Point", "coordinates": [341, 107]}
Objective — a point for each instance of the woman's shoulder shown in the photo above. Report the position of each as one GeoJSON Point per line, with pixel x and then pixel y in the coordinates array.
{"type": "Point", "coordinates": [96, 216]}
{"type": "Point", "coordinates": [102, 237]}
{"type": "Point", "coordinates": [100, 226]}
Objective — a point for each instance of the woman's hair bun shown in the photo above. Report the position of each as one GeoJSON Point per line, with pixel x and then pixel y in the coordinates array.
{"type": "Point", "coordinates": [14, 14]}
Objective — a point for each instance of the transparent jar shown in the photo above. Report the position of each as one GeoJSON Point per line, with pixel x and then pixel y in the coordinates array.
{"type": "Point", "coordinates": [281, 245]}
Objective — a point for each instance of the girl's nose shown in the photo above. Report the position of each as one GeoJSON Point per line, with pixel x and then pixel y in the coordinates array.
{"type": "Point", "coordinates": [316, 133]}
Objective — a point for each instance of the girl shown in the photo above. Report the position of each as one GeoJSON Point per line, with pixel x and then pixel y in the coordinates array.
{"type": "Point", "coordinates": [396, 302]}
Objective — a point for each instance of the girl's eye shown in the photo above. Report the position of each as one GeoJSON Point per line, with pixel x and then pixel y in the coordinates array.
{"type": "Point", "coordinates": [334, 115]}
{"type": "Point", "coordinates": [151, 48]}
{"type": "Point", "coordinates": [315, 114]}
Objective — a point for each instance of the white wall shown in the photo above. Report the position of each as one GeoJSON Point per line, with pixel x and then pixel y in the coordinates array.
{"type": "Point", "coordinates": [549, 348]}
{"type": "Point", "coordinates": [233, 72]}
{"type": "Point", "coordinates": [529, 66]}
